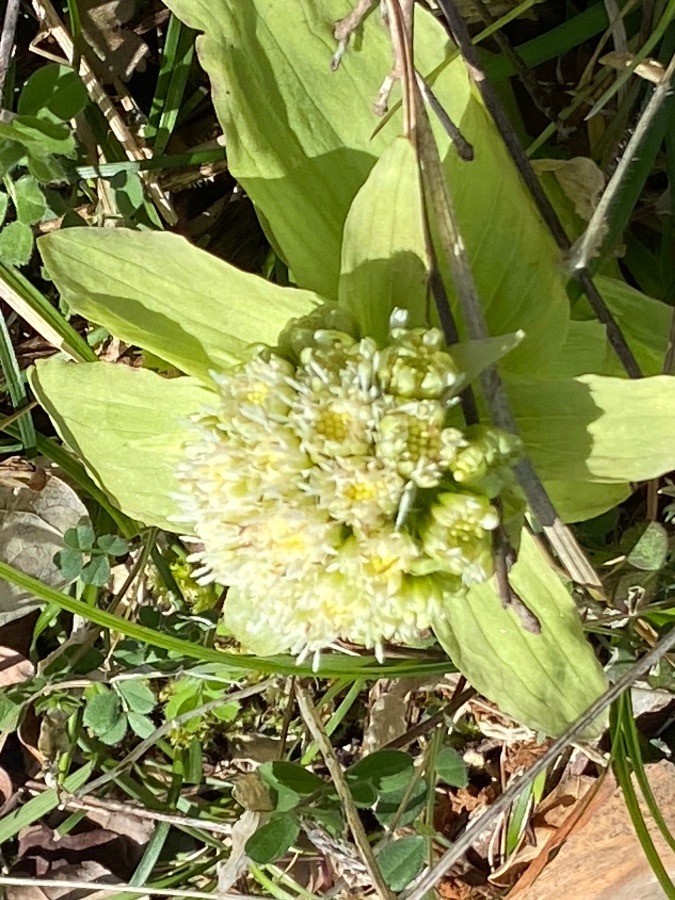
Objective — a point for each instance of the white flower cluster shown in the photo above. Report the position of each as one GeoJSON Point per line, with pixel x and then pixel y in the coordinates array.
{"type": "Point", "coordinates": [333, 499]}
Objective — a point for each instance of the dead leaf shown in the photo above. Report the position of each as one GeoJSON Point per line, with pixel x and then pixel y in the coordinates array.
{"type": "Point", "coordinates": [601, 857]}
{"type": "Point", "coordinates": [649, 69]}
{"type": "Point", "coordinates": [580, 178]}
{"type": "Point", "coordinates": [135, 829]}
{"type": "Point", "coordinates": [252, 793]}
{"type": "Point", "coordinates": [119, 51]}
{"type": "Point", "coordinates": [387, 713]}
{"type": "Point", "coordinates": [548, 828]}
{"type": "Point", "coordinates": [6, 787]}
{"type": "Point", "coordinates": [32, 525]}
{"type": "Point", "coordinates": [14, 668]}
{"type": "Point", "coordinates": [16, 472]}
{"type": "Point", "coordinates": [44, 853]}
{"type": "Point", "coordinates": [92, 872]}
{"type": "Point", "coordinates": [248, 750]}
{"type": "Point", "coordinates": [229, 872]}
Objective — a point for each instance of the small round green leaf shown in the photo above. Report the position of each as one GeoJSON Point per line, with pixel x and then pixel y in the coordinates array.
{"type": "Point", "coordinates": [386, 770]}
{"type": "Point", "coordinates": [113, 545]}
{"type": "Point", "coordinates": [30, 202]}
{"type": "Point", "coordinates": [451, 768]}
{"type": "Point", "coordinates": [140, 725]}
{"type": "Point", "coordinates": [53, 92]}
{"type": "Point", "coordinates": [40, 137]}
{"type": "Point", "coordinates": [47, 169]}
{"type": "Point", "coordinates": [401, 861]}
{"type": "Point", "coordinates": [388, 805]}
{"type": "Point", "coordinates": [16, 244]}
{"type": "Point", "coordinates": [115, 734]}
{"type": "Point", "coordinates": [650, 551]}
{"type": "Point", "coordinates": [137, 695]}
{"type": "Point", "coordinates": [69, 563]}
{"type": "Point", "coordinates": [10, 714]}
{"type": "Point", "coordinates": [80, 538]}
{"type": "Point", "coordinates": [273, 840]}
{"type": "Point", "coordinates": [292, 776]}
{"type": "Point", "coordinates": [363, 794]}
{"type": "Point", "coordinates": [12, 154]}
{"type": "Point", "coordinates": [102, 712]}
{"type": "Point", "coordinates": [96, 571]}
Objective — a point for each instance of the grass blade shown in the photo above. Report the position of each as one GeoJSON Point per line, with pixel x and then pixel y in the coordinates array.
{"type": "Point", "coordinates": [173, 74]}
{"type": "Point", "coordinates": [15, 383]}
{"type": "Point", "coordinates": [632, 743]}
{"type": "Point", "coordinates": [622, 772]}
{"type": "Point", "coordinates": [35, 308]}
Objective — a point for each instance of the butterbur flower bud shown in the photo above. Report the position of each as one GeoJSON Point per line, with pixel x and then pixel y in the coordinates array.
{"type": "Point", "coordinates": [327, 491]}
{"type": "Point", "coordinates": [416, 366]}
{"type": "Point", "coordinates": [412, 438]}
{"type": "Point", "coordinates": [300, 333]}
{"type": "Point", "coordinates": [457, 535]}
{"type": "Point", "coordinates": [484, 460]}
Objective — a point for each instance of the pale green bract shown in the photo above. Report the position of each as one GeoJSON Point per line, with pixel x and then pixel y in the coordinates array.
{"type": "Point", "coordinates": [300, 486]}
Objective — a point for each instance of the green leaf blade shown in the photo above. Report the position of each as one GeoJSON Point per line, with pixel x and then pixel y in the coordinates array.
{"type": "Point", "coordinates": [384, 262]}
{"type": "Point", "coordinates": [126, 425]}
{"type": "Point", "coordinates": [138, 695]}
{"type": "Point", "coordinates": [543, 680]}
{"type": "Point", "coordinates": [451, 768]}
{"type": "Point", "coordinates": [157, 291]}
{"type": "Point", "coordinates": [16, 244]}
{"type": "Point", "coordinates": [597, 429]}
{"type": "Point", "coordinates": [401, 861]}
{"type": "Point", "coordinates": [53, 92]}
{"type": "Point", "coordinates": [273, 839]}
{"type": "Point", "coordinates": [102, 712]}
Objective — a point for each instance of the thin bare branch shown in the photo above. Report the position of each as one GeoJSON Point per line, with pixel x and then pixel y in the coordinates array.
{"type": "Point", "coordinates": [512, 144]}
{"type": "Point", "coordinates": [316, 729]}
{"type": "Point", "coordinates": [7, 40]}
{"type": "Point", "coordinates": [68, 801]}
{"type": "Point", "coordinates": [439, 208]}
{"type": "Point", "coordinates": [593, 244]}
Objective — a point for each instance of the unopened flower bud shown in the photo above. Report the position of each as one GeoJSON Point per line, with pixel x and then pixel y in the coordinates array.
{"type": "Point", "coordinates": [416, 365]}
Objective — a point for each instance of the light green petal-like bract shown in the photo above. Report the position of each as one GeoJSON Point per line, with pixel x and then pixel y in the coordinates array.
{"type": "Point", "coordinates": [157, 291]}
{"type": "Point", "coordinates": [126, 425]}
{"type": "Point", "coordinates": [543, 680]}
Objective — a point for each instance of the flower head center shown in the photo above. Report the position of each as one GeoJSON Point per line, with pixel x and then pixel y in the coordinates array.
{"type": "Point", "coordinates": [300, 486]}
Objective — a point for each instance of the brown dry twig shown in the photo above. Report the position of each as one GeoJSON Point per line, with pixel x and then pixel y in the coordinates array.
{"type": "Point", "coordinates": [313, 723]}
{"type": "Point", "coordinates": [51, 26]}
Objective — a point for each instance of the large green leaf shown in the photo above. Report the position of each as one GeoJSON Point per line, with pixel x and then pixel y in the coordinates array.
{"type": "Point", "coordinates": [298, 135]}
{"type": "Point", "coordinates": [126, 425]}
{"type": "Point", "coordinates": [644, 322]}
{"type": "Point", "coordinates": [300, 140]}
{"type": "Point", "coordinates": [384, 261]}
{"type": "Point", "coordinates": [543, 680]}
{"type": "Point", "coordinates": [157, 291]}
{"type": "Point", "coordinates": [585, 350]}
{"type": "Point", "coordinates": [515, 263]}
{"type": "Point", "coordinates": [596, 428]}
{"type": "Point", "coordinates": [576, 501]}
